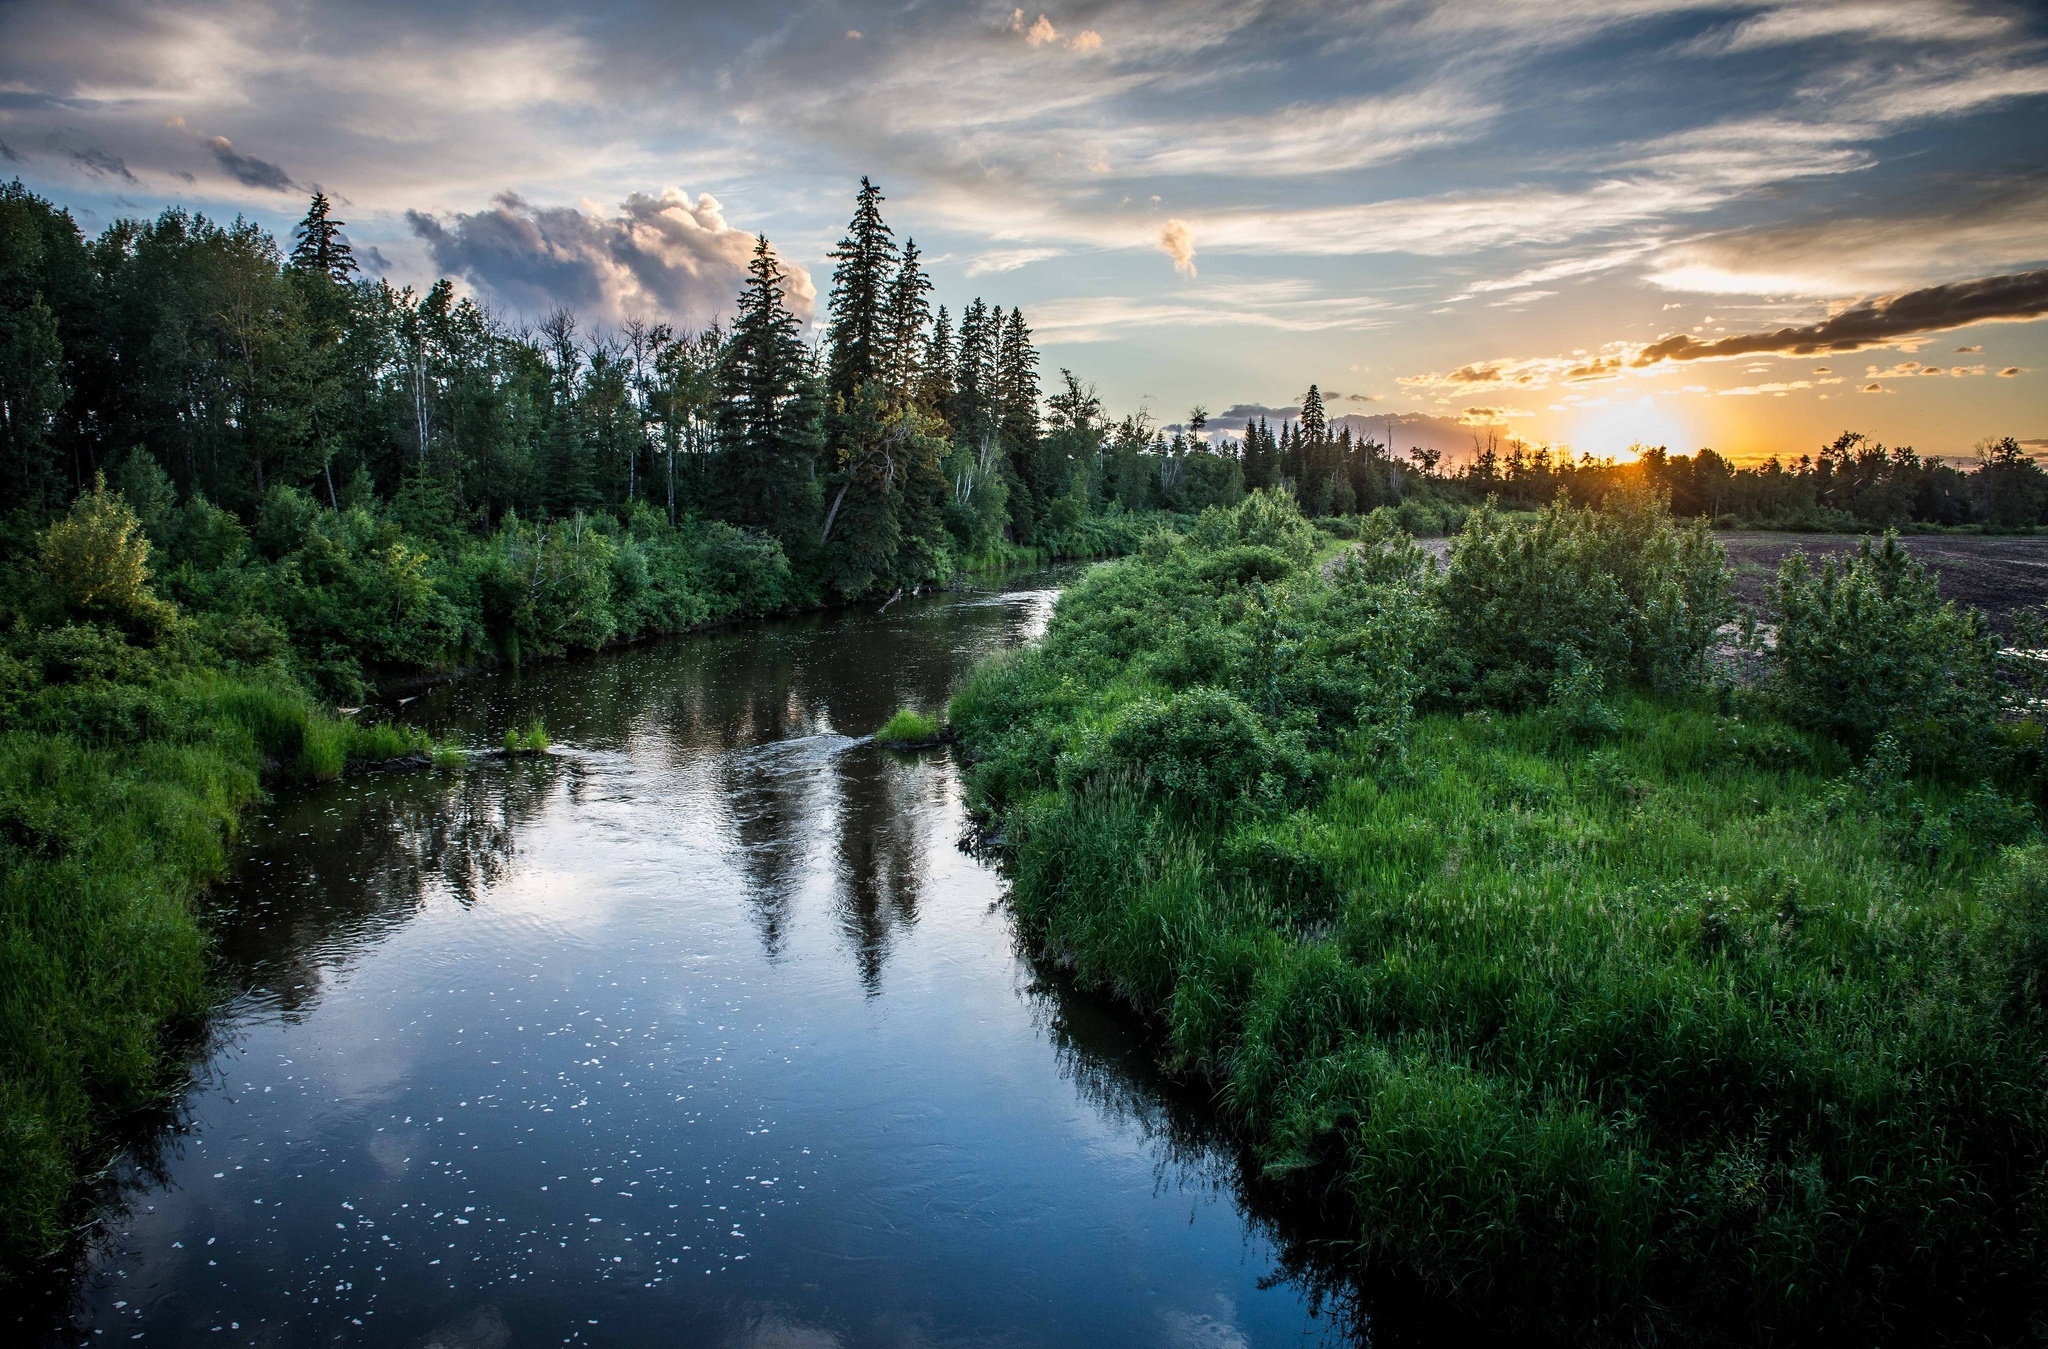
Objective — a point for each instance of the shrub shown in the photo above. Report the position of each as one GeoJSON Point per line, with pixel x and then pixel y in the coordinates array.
{"type": "Point", "coordinates": [1868, 648]}
{"type": "Point", "coordinates": [96, 560]}
{"type": "Point", "coordinates": [1202, 747]}
{"type": "Point", "coordinates": [1624, 588]}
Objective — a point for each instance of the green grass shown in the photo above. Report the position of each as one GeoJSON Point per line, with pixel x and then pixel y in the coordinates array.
{"type": "Point", "coordinates": [1674, 1019]}
{"type": "Point", "coordinates": [533, 740]}
{"type": "Point", "coordinates": [908, 727]}
{"type": "Point", "coordinates": [118, 802]}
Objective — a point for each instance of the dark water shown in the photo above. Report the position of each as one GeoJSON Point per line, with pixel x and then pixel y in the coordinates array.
{"type": "Point", "coordinates": [702, 1030]}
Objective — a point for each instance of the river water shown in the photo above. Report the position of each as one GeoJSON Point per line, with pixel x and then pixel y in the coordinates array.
{"type": "Point", "coordinates": [703, 1029]}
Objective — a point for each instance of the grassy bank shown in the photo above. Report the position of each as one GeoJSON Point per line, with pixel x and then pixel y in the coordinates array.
{"type": "Point", "coordinates": [131, 739]}
{"type": "Point", "coordinates": [1599, 994]}
{"type": "Point", "coordinates": [162, 662]}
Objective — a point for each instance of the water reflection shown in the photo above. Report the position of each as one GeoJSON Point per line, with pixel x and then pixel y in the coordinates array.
{"type": "Point", "coordinates": [702, 1029]}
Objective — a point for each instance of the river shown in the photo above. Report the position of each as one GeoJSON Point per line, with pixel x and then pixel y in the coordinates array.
{"type": "Point", "coordinates": [702, 1029]}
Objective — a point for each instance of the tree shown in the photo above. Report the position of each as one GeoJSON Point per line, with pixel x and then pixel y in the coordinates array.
{"type": "Point", "coordinates": [936, 386]}
{"type": "Point", "coordinates": [322, 247]}
{"type": "Point", "coordinates": [32, 386]}
{"type": "Point", "coordinates": [906, 315]}
{"type": "Point", "coordinates": [858, 339]}
{"type": "Point", "coordinates": [768, 412]}
{"type": "Point", "coordinates": [973, 363]}
{"type": "Point", "coordinates": [1314, 424]}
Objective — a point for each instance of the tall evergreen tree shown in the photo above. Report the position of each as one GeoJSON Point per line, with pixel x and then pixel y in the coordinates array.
{"type": "Point", "coordinates": [973, 362]}
{"type": "Point", "coordinates": [1016, 413]}
{"type": "Point", "coordinates": [857, 340]}
{"type": "Point", "coordinates": [322, 247]}
{"type": "Point", "coordinates": [1017, 383]}
{"type": "Point", "coordinates": [936, 382]}
{"type": "Point", "coordinates": [1314, 424]}
{"type": "Point", "coordinates": [768, 427]}
{"type": "Point", "coordinates": [907, 314]}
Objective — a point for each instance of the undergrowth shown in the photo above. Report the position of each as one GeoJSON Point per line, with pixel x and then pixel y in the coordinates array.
{"type": "Point", "coordinates": [1606, 996]}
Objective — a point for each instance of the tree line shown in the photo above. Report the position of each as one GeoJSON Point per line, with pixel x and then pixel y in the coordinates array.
{"type": "Point", "coordinates": [878, 458]}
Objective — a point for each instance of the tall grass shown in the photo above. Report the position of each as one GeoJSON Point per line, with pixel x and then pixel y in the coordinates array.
{"type": "Point", "coordinates": [1626, 1013]}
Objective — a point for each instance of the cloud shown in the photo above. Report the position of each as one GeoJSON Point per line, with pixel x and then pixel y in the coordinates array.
{"type": "Point", "coordinates": [1178, 240]}
{"type": "Point", "coordinates": [1490, 416]}
{"type": "Point", "coordinates": [660, 257]}
{"type": "Point", "coordinates": [1970, 350]}
{"type": "Point", "coordinates": [1883, 20]}
{"type": "Point", "coordinates": [1087, 40]}
{"type": "Point", "coordinates": [248, 170]}
{"type": "Point", "coordinates": [1971, 231]}
{"type": "Point", "coordinates": [101, 164]}
{"type": "Point", "coordinates": [1778, 389]}
{"type": "Point", "coordinates": [1279, 306]}
{"type": "Point", "coordinates": [2010, 371]}
{"type": "Point", "coordinates": [1037, 34]}
{"type": "Point", "coordinates": [1009, 259]}
{"type": "Point", "coordinates": [7, 153]}
{"type": "Point", "coordinates": [1878, 322]}
{"type": "Point", "coordinates": [1874, 388]}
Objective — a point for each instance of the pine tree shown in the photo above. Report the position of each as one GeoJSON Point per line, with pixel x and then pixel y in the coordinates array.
{"type": "Point", "coordinates": [1313, 423]}
{"type": "Point", "coordinates": [936, 385]}
{"type": "Point", "coordinates": [1016, 413]}
{"type": "Point", "coordinates": [906, 315]}
{"type": "Point", "coordinates": [767, 425]}
{"type": "Point", "coordinates": [858, 338]}
{"type": "Point", "coordinates": [1017, 383]}
{"type": "Point", "coordinates": [322, 247]}
{"type": "Point", "coordinates": [972, 364]}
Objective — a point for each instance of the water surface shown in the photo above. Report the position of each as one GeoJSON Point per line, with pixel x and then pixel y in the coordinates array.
{"type": "Point", "coordinates": [703, 1029]}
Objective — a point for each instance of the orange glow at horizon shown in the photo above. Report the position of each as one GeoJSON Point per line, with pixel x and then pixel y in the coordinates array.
{"type": "Point", "coordinates": [1615, 431]}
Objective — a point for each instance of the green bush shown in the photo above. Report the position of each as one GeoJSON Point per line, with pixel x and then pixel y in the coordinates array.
{"type": "Point", "coordinates": [1624, 588]}
{"type": "Point", "coordinates": [1867, 648]}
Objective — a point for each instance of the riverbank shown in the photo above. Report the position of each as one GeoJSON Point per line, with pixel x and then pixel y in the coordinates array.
{"type": "Point", "coordinates": [136, 730]}
{"type": "Point", "coordinates": [1614, 1002]}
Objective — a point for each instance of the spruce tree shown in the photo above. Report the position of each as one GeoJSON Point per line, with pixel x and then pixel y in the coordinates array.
{"type": "Point", "coordinates": [767, 426]}
{"type": "Point", "coordinates": [906, 315]}
{"type": "Point", "coordinates": [936, 382]}
{"type": "Point", "coordinates": [1016, 413]}
{"type": "Point", "coordinates": [858, 338]}
{"type": "Point", "coordinates": [321, 245]}
{"type": "Point", "coordinates": [1314, 425]}
{"type": "Point", "coordinates": [972, 364]}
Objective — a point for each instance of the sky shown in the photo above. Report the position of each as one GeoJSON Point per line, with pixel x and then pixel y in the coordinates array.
{"type": "Point", "coordinates": [1744, 224]}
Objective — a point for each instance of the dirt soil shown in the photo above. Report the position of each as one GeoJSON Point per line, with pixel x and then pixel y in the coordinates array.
{"type": "Point", "coordinates": [2000, 574]}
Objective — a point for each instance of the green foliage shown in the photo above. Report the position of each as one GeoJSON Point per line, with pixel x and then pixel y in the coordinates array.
{"type": "Point", "coordinates": [1641, 1007]}
{"type": "Point", "coordinates": [908, 726]}
{"type": "Point", "coordinates": [96, 560]}
{"type": "Point", "coordinates": [1869, 649]}
{"type": "Point", "coordinates": [1624, 589]}
{"type": "Point", "coordinates": [533, 740]}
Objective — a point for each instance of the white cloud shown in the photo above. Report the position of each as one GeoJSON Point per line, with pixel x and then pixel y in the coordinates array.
{"type": "Point", "coordinates": [660, 257]}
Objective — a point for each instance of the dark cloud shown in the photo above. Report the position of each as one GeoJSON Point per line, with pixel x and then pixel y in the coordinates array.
{"type": "Point", "coordinates": [664, 257]}
{"type": "Point", "coordinates": [102, 164]}
{"type": "Point", "coordinates": [2022, 295]}
{"type": "Point", "coordinates": [248, 170]}
{"type": "Point", "coordinates": [1234, 417]}
{"type": "Point", "coordinates": [7, 153]}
